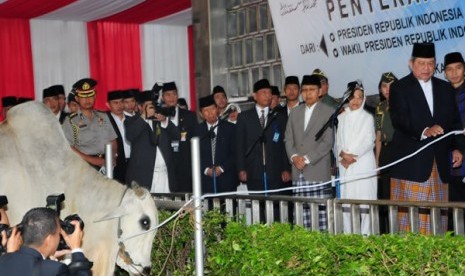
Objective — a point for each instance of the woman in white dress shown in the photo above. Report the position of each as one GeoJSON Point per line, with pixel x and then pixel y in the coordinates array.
{"type": "Point", "coordinates": [355, 142]}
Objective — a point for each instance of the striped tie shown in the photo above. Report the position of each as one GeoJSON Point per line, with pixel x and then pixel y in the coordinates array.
{"type": "Point", "coordinates": [213, 139]}
{"type": "Point", "coordinates": [262, 119]}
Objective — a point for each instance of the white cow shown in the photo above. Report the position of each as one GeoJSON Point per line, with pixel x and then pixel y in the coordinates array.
{"type": "Point", "coordinates": [36, 161]}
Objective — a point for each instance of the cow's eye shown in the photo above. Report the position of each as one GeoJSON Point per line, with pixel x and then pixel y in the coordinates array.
{"type": "Point", "coordinates": [145, 222]}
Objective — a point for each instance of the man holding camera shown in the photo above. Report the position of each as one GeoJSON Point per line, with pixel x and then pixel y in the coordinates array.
{"type": "Point", "coordinates": [185, 121]}
{"type": "Point", "coordinates": [152, 161]}
{"type": "Point", "coordinates": [41, 232]}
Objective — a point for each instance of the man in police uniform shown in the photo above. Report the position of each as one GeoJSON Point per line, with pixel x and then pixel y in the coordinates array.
{"type": "Point", "coordinates": [88, 130]}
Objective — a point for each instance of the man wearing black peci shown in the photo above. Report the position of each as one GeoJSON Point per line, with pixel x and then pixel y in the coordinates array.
{"type": "Point", "coordinates": [117, 117]}
{"type": "Point", "coordinates": [185, 121]}
{"type": "Point", "coordinates": [261, 160]}
{"type": "Point", "coordinates": [152, 163]}
{"type": "Point", "coordinates": [217, 145]}
{"type": "Point", "coordinates": [423, 108]}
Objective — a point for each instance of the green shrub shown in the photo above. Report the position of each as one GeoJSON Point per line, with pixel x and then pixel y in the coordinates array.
{"type": "Point", "coordinates": [232, 248]}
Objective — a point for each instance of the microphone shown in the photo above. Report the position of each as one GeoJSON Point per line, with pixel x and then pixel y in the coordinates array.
{"type": "Point", "coordinates": [274, 112]}
{"type": "Point", "coordinates": [346, 96]}
{"type": "Point", "coordinates": [229, 109]}
{"type": "Point", "coordinates": [351, 86]}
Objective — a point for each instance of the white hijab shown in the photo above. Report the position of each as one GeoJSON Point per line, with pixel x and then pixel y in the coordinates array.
{"type": "Point", "coordinates": [352, 128]}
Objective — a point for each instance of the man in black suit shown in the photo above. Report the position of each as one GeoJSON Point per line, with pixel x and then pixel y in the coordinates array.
{"type": "Point", "coordinates": [130, 101]}
{"type": "Point", "coordinates": [422, 109]}
{"type": "Point", "coordinates": [41, 232]}
{"type": "Point", "coordinates": [259, 154]}
{"type": "Point", "coordinates": [62, 100]}
{"type": "Point", "coordinates": [116, 115]}
{"type": "Point", "coordinates": [152, 163]}
{"type": "Point", "coordinates": [217, 139]}
{"type": "Point", "coordinates": [292, 93]}
{"type": "Point", "coordinates": [185, 121]}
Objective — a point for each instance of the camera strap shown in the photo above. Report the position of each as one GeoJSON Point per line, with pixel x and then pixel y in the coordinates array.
{"type": "Point", "coordinates": [37, 266]}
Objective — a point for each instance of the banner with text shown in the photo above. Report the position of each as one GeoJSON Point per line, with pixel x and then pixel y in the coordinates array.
{"type": "Point", "coordinates": [361, 39]}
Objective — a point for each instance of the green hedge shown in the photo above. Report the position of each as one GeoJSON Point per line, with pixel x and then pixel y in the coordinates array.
{"type": "Point", "coordinates": [236, 249]}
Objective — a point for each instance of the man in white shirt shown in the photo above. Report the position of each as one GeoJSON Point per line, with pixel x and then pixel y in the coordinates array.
{"type": "Point", "coordinates": [422, 109]}
{"type": "Point", "coordinates": [152, 163]}
{"type": "Point", "coordinates": [51, 98]}
{"type": "Point", "coordinates": [117, 117]}
{"type": "Point", "coordinates": [310, 158]}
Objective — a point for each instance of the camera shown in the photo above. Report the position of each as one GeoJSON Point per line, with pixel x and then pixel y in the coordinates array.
{"type": "Point", "coordinates": [159, 108]}
{"type": "Point", "coordinates": [69, 229]}
{"type": "Point", "coordinates": [8, 229]}
{"type": "Point", "coordinates": [67, 226]}
{"type": "Point", "coordinates": [3, 201]}
{"type": "Point", "coordinates": [54, 202]}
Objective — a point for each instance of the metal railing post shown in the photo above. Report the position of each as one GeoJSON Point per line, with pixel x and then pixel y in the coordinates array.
{"type": "Point", "coordinates": [284, 211]}
{"type": "Point", "coordinates": [269, 212]}
{"type": "Point", "coordinates": [458, 221]}
{"type": "Point", "coordinates": [197, 189]}
{"type": "Point", "coordinates": [330, 216]}
{"type": "Point", "coordinates": [393, 222]}
{"type": "Point", "coordinates": [109, 160]}
{"type": "Point", "coordinates": [374, 218]}
{"type": "Point", "coordinates": [414, 219]}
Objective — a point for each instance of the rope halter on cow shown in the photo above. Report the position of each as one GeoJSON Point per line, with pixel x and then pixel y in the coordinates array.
{"type": "Point", "coordinates": [122, 253]}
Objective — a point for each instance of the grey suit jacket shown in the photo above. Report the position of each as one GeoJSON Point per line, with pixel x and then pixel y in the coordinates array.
{"type": "Point", "coordinates": [302, 142]}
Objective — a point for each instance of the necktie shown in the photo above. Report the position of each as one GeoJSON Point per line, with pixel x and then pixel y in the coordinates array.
{"type": "Point", "coordinates": [156, 131]}
{"type": "Point", "coordinates": [213, 140]}
{"type": "Point", "coordinates": [262, 119]}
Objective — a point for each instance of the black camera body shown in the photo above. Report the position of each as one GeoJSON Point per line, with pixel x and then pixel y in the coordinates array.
{"type": "Point", "coordinates": [67, 226]}
{"type": "Point", "coordinates": [165, 111]}
{"type": "Point", "coordinates": [9, 230]}
{"type": "Point", "coordinates": [159, 108]}
{"type": "Point", "coordinates": [3, 201]}
{"type": "Point", "coordinates": [69, 229]}
{"type": "Point", "coordinates": [54, 202]}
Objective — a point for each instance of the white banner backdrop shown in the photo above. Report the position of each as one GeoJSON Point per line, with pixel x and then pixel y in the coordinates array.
{"type": "Point", "coordinates": [60, 53]}
{"type": "Point", "coordinates": [361, 39]}
{"type": "Point", "coordinates": [165, 56]}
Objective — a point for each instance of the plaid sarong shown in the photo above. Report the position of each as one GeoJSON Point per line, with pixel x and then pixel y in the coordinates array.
{"type": "Point", "coordinates": [311, 192]}
{"type": "Point", "coordinates": [433, 190]}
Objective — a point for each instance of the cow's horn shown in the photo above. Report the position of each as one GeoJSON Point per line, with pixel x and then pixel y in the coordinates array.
{"type": "Point", "coordinates": [138, 190]}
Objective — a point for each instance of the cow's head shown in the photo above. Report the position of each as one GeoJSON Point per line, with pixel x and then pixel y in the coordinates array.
{"type": "Point", "coordinates": [137, 213]}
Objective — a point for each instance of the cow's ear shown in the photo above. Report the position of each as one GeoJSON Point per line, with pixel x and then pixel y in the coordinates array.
{"type": "Point", "coordinates": [117, 213]}
{"type": "Point", "coordinates": [140, 192]}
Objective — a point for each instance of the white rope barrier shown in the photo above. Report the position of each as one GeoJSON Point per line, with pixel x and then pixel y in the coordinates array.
{"type": "Point", "coordinates": [346, 180]}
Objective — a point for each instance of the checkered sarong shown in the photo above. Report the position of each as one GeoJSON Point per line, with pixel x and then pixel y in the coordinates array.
{"type": "Point", "coordinates": [312, 192]}
{"type": "Point", "coordinates": [431, 190]}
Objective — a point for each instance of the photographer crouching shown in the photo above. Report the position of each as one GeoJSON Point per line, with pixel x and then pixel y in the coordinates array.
{"type": "Point", "coordinates": [10, 237]}
{"type": "Point", "coordinates": [40, 231]}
